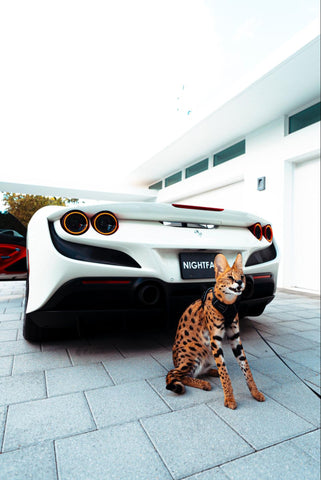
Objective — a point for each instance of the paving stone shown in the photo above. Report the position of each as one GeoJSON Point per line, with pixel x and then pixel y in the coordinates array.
{"type": "Point", "coordinates": [64, 344]}
{"type": "Point", "coordinates": [116, 453]}
{"type": "Point", "coordinates": [124, 403]}
{"type": "Point", "coordinates": [293, 342]}
{"type": "Point", "coordinates": [292, 325]}
{"type": "Point", "coordinates": [76, 379]}
{"type": "Point", "coordinates": [314, 379]}
{"type": "Point", "coordinates": [165, 358]}
{"type": "Point", "coordinates": [21, 388]}
{"type": "Point", "coordinates": [32, 362]}
{"type": "Point", "coordinates": [307, 358]}
{"type": "Point", "coordinates": [3, 413]}
{"type": "Point", "coordinates": [257, 347]}
{"type": "Point", "coordinates": [33, 422]}
{"type": "Point", "coordinates": [276, 369]}
{"type": "Point", "coordinates": [20, 334]}
{"type": "Point", "coordinates": [7, 335]}
{"type": "Point", "coordinates": [17, 347]}
{"type": "Point", "coordinates": [315, 321]}
{"type": "Point", "coordinates": [298, 325]}
{"type": "Point", "coordinates": [194, 396]}
{"type": "Point", "coordinates": [309, 443]}
{"type": "Point", "coordinates": [13, 309]}
{"type": "Point", "coordinates": [277, 462]}
{"type": "Point", "coordinates": [313, 335]}
{"type": "Point", "coordinates": [12, 325]}
{"type": "Point", "coordinates": [263, 382]}
{"type": "Point", "coordinates": [301, 371]}
{"type": "Point", "coordinates": [272, 329]}
{"type": "Point", "coordinates": [191, 397]}
{"type": "Point", "coordinates": [261, 423]}
{"type": "Point", "coordinates": [212, 474]}
{"type": "Point", "coordinates": [309, 313]}
{"type": "Point", "coordinates": [93, 354]}
{"type": "Point", "coordinates": [9, 317]}
{"type": "Point", "coordinates": [137, 346]}
{"type": "Point", "coordinates": [6, 365]}
{"type": "Point", "coordinates": [186, 452]}
{"type": "Point", "coordinates": [133, 369]}
{"type": "Point", "coordinates": [309, 405]}
{"type": "Point", "coordinates": [31, 463]}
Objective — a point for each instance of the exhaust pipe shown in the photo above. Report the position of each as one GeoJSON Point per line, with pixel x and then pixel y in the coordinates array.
{"type": "Point", "coordinates": [148, 294]}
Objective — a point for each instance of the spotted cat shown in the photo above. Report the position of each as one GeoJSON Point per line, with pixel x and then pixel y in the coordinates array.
{"type": "Point", "coordinates": [198, 343]}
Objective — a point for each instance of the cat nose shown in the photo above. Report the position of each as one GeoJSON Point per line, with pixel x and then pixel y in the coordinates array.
{"type": "Point", "coordinates": [239, 282]}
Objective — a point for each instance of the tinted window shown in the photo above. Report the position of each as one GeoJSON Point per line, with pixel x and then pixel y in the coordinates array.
{"type": "Point", "coordinates": [304, 118]}
{"type": "Point", "coordinates": [197, 168]}
{"type": "Point", "coordinates": [229, 153]}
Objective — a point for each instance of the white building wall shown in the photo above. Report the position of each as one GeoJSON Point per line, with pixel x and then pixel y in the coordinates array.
{"type": "Point", "coordinates": [233, 185]}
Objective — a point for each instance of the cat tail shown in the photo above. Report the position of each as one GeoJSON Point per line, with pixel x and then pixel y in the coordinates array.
{"type": "Point", "coordinates": [174, 381]}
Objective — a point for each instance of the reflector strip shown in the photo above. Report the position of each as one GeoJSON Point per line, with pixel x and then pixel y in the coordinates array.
{"type": "Point", "coordinates": [106, 282]}
{"type": "Point", "coordinates": [256, 277]}
{"type": "Point", "coordinates": [194, 207]}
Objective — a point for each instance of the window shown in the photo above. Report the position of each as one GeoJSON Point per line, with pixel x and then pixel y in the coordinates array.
{"type": "Point", "coordinates": [306, 117]}
{"type": "Point", "coordinates": [229, 153]}
{"type": "Point", "coordinates": [196, 168]}
{"type": "Point", "coordinates": [156, 186]}
{"type": "Point", "coordinates": [177, 177]}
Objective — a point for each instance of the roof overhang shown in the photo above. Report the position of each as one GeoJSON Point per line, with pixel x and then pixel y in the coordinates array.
{"type": "Point", "coordinates": [292, 82]}
{"type": "Point", "coordinates": [127, 195]}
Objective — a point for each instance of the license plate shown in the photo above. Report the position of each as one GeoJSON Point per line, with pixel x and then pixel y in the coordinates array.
{"type": "Point", "coordinates": [197, 265]}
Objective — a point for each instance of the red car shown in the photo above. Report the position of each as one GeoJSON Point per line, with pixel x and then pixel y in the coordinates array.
{"type": "Point", "coordinates": [13, 265]}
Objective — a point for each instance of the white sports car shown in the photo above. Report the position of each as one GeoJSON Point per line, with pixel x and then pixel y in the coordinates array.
{"type": "Point", "coordinates": [125, 261]}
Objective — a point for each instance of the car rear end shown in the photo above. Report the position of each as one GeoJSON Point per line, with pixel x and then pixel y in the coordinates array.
{"type": "Point", "coordinates": [125, 261]}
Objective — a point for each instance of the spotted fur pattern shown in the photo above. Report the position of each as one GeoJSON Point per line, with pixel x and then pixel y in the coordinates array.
{"type": "Point", "coordinates": [198, 343]}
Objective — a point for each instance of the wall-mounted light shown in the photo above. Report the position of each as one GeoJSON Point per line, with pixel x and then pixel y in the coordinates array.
{"type": "Point", "coordinates": [261, 181]}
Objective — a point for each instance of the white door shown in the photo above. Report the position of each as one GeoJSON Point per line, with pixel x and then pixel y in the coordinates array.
{"type": "Point", "coordinates": [306, 226]}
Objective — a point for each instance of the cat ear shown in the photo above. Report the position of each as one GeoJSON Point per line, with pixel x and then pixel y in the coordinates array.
{"type": "Point", "coordinates": [238, 264]}
{"type": "Point", "coordinates": [220, 264]}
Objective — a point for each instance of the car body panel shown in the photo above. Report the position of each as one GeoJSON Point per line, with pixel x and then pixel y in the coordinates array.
{"type": "Point", "coordinates": [146, 248]}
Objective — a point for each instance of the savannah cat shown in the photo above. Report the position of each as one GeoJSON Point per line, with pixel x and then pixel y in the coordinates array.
{"type": "Point", "coordinates": [198, 343]}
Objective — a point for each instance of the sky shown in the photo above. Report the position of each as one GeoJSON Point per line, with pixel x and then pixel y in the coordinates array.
{"type": "Point", "coordinates": [89, 90]}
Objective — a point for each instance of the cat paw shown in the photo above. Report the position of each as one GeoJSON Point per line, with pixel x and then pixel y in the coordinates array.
{"type": "Point", "coordinates": [207, 386]}
{"type": "Point", "coordinates": [259, 396]}
{"type": "Point", "coordinates": [230, 403]}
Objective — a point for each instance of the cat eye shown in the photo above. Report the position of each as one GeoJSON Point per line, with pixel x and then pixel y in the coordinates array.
{"type": "Point", "coordinates": [231, 278]}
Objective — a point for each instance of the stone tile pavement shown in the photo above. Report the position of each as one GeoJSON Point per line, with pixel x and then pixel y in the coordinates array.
{"type": "Point", "coordinates": [96, 408]}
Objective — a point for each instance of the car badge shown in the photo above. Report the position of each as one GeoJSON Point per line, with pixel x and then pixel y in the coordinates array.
{"type": "Point", "coordinates": [198, 232]}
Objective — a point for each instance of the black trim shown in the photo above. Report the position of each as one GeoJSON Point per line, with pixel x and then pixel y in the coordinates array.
{"type": "Point", "coordinates": [261, 256]}
{"type": "Point", "coordinates": [134, 299]}
{"type": "Point", "coordinates": [11, 240]}
{"type": "Point", "coordinates": [89, 253]}
{"type": "Point", "coordinates": [19, 266]}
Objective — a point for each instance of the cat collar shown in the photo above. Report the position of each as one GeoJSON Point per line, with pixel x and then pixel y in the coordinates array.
{"type": "Point", "coordinates": [229, 312]}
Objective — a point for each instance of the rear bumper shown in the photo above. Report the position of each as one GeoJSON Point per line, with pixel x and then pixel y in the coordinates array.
{"type": "Point", "coordinates": [129, 299]}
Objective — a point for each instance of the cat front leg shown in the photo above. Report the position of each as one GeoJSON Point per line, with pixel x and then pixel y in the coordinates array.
{"type": "Point", "coordinates": [216, 347]}
{"type": "Point", "coordinates": [233, 335]}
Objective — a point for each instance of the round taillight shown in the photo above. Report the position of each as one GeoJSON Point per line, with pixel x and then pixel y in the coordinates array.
{"type": "Point", "coordinates": [257, 231]}
{"type": "Point", "coordinates": [105, 223]}
{"type": "Point", "coordinates": [268, 233]}
{"type": "Point", "coordinates": [75, 222]}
